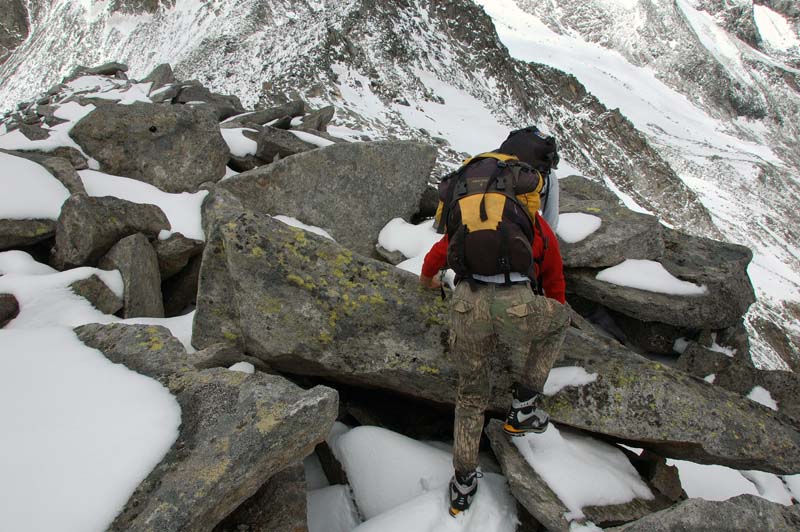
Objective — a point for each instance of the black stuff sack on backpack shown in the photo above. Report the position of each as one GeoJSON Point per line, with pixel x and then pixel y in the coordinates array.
{"type": "Point", "coordinates": [533, 147]}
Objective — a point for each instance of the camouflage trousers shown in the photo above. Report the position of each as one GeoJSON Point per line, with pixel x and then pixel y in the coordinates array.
{"type": "Point", "coordinates": [483, 323]}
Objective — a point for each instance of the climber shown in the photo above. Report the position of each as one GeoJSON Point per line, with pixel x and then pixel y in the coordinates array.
{"type": "Point", "coordinates": [509, 290]}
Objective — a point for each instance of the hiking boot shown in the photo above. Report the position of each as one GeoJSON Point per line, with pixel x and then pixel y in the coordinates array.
{"type": "Point", "coordinates": [525, 415]}
{"type": "Point", "coordinates": [462, 491]}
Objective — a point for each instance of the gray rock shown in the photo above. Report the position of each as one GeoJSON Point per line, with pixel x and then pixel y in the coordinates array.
{"type": "Point", "coordinates": [175, 148]}
{"type": "Point", "coordinates": [224, 356]}
{"type": "Point", "coordinates": [623, 234]}
{"type": "Point", "coordinates": [720, 266]}
{"type": "Point", "coordinates": [275, 144]}
{"type": "Point", "coordinates": [75, 157]}
{"type": "Point", "coordinates": [574, 190]}
{"type": "Point", "coordinates": [165, 94]}
{"type": "Point", "coordinates": [34, 131]}
{"type": "Point", "coordinates": [136, 260]}
{"type": "Point", "coordinates": [701, 362]}
{"type": "Point", "coordinates": [98, 294]}
{"type": "Point", "coordinates": [392, 257]}
{"type": "Point", "coordinates": [669, 412]}
{"type": "Point", "coordinates": [14, 27]}
{"type": "Point", "coordinates": [89, 226]}
{"type": "Point", "coordinates": [279, 506]}
{"type": "Point", "coordinates": [220, 204]}
{"type": "Point", "coordinates": [744, 513]}
{"type": "Point", "coordinates": [9, 308]}
{"type": "Point", "coordinates": [236, 431]}
{"type": "Point", "coordinates": [263, 116]}
{"type": "Point", "coordinates": [783, 386]}
{"type": "Point", "coordinates": [224, 106]}
{"type": "Point", "coordinates": [174, 253]}
{"type": "Point", "coordinates": [160, 76]}
{"type": "Point", "coordinates": [351, 190]}
{"type": "Point", "coordinates": [318, 119]}
{"type": "Point", "coordinates": [106, 69]}
{"type": "Point", "coordinates": [663, 478]}
{"type": "Point", "coordinates": [22, 233]}
{"type": "Point", "coordinates": [537, 497]}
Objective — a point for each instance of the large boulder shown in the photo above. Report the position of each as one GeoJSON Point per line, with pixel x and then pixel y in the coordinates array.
{"type": "Point", "coordinates": [783, 386]}
{"type": "Point", "coordinates": [175, 148]}
{"type": "Point", "coordinates": [670, 412]}
{"type": "Point", "coordinates": [306, 305]}
{"type": "Point", "coordinates": [350, 189]}
{"type": "Point", "coordinates": [136, 260]}
{"type": "Point", "coordinates": [21, 233]}
{"type": "Point", "coordinates": [719, 266]}
{"type": "Point", "coordinates": [87, 227]}
{"type": "Point", "coordinates": [744, 513]}
{"type": "Point", "coordinates": [175, 252]}
{"type": "Point", "coordinates": [237, 431]}
{"type": "Point", "coordinates": [537, 497]}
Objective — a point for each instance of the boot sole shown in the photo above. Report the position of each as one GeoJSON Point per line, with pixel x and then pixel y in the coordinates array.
{"type": "Point", "coordinates": [514, 432]}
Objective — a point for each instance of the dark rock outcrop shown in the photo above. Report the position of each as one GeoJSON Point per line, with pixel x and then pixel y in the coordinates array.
{"type": "Point", "coordinates": [89, 226]}
{"type": "Point", "coordinates": [237, 431]}
{"type": "Point", "coordinates": [175, 148]}
{"type": "Point", "coordinates": [351, 189]}
{"type": "Point", "coordinates": [275, 144]}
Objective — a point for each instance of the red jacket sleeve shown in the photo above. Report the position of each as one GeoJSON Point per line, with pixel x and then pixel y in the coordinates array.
{"type": "Point", "coordinates": [552, 267]}
{"type": "Point", "coordinates": [436, 259]}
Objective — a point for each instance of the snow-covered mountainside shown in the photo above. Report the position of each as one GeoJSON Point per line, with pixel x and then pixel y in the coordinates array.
{"type": "Point", "coordinates": [688, 108]}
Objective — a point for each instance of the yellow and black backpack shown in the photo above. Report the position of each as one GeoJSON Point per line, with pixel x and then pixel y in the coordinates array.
{"type": "Point", "coordinates": [487, 208]}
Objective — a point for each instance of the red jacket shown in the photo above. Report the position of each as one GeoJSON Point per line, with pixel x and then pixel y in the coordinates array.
{"type": "Point", "coordinates": [551, 269]}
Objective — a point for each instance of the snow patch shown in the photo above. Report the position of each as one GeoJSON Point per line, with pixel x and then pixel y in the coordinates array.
{"type": "Point", "coordinates": [29, 190]}
{"type": "Point", "coordinates": [563, 377]}
{"type": "Point", "coordinates": [576, 226]}
{"type": "Point", "coordinates": [294, 222]}
{"type": "Point", "coordinates": [774, 29]}
{"type": "Point", "coordinates": [331, 509]}
{"type": "Point", "coordinates": [243, 367]}
{"type": "Point", "coordinates": [762, 396]}
{"type": "Point", "coordinates": [238, 143]}
{"type": "Point", "coordinates": [650, 276]}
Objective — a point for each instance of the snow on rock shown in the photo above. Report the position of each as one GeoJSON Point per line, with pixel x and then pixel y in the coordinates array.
{"type": "Point", "coordinates": [238, 143]}
{"type": "Point", "coordinates": [762, 396]}
{"type": "Point", "coordinates": [387, 469]}
{"type": "Point", "coordinates": [331, 509]}
{"type": "Point", "coordinates": [650, 276]}
{"type": "Point", "coordinates": [560, 378]}
{"type": "Point", "coordinates": [179, 326]}
{"type": "Point", "coordinates": [243, 367]}
{"type": "Point", "coordinates": [59, 137]}
{"type": "Point", "coordinates": [582, 471]}
{"type": "Point", "coordinates": [493, 510]}
{"type": "Point", "coordinates": [409, 239]}
{"type": "Point", "coordinates": [576, 226]}
{"type": "Point", "coordinates": [79, 433]}
{"type": "Point", "coordinates": [710, 378]}
{"type": "Point", "coordinates": [311, 138]}
{"type": "Point", "coordinates": [793, 485]}
{"type": "Point", "coordinates": [45, 299]}
{"type": "Point", "coordinates": [20, 262]}
{"type": "Point", "coordinates": [29, 191]}
{"type": "Point", "coordinates": [182, 209]}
